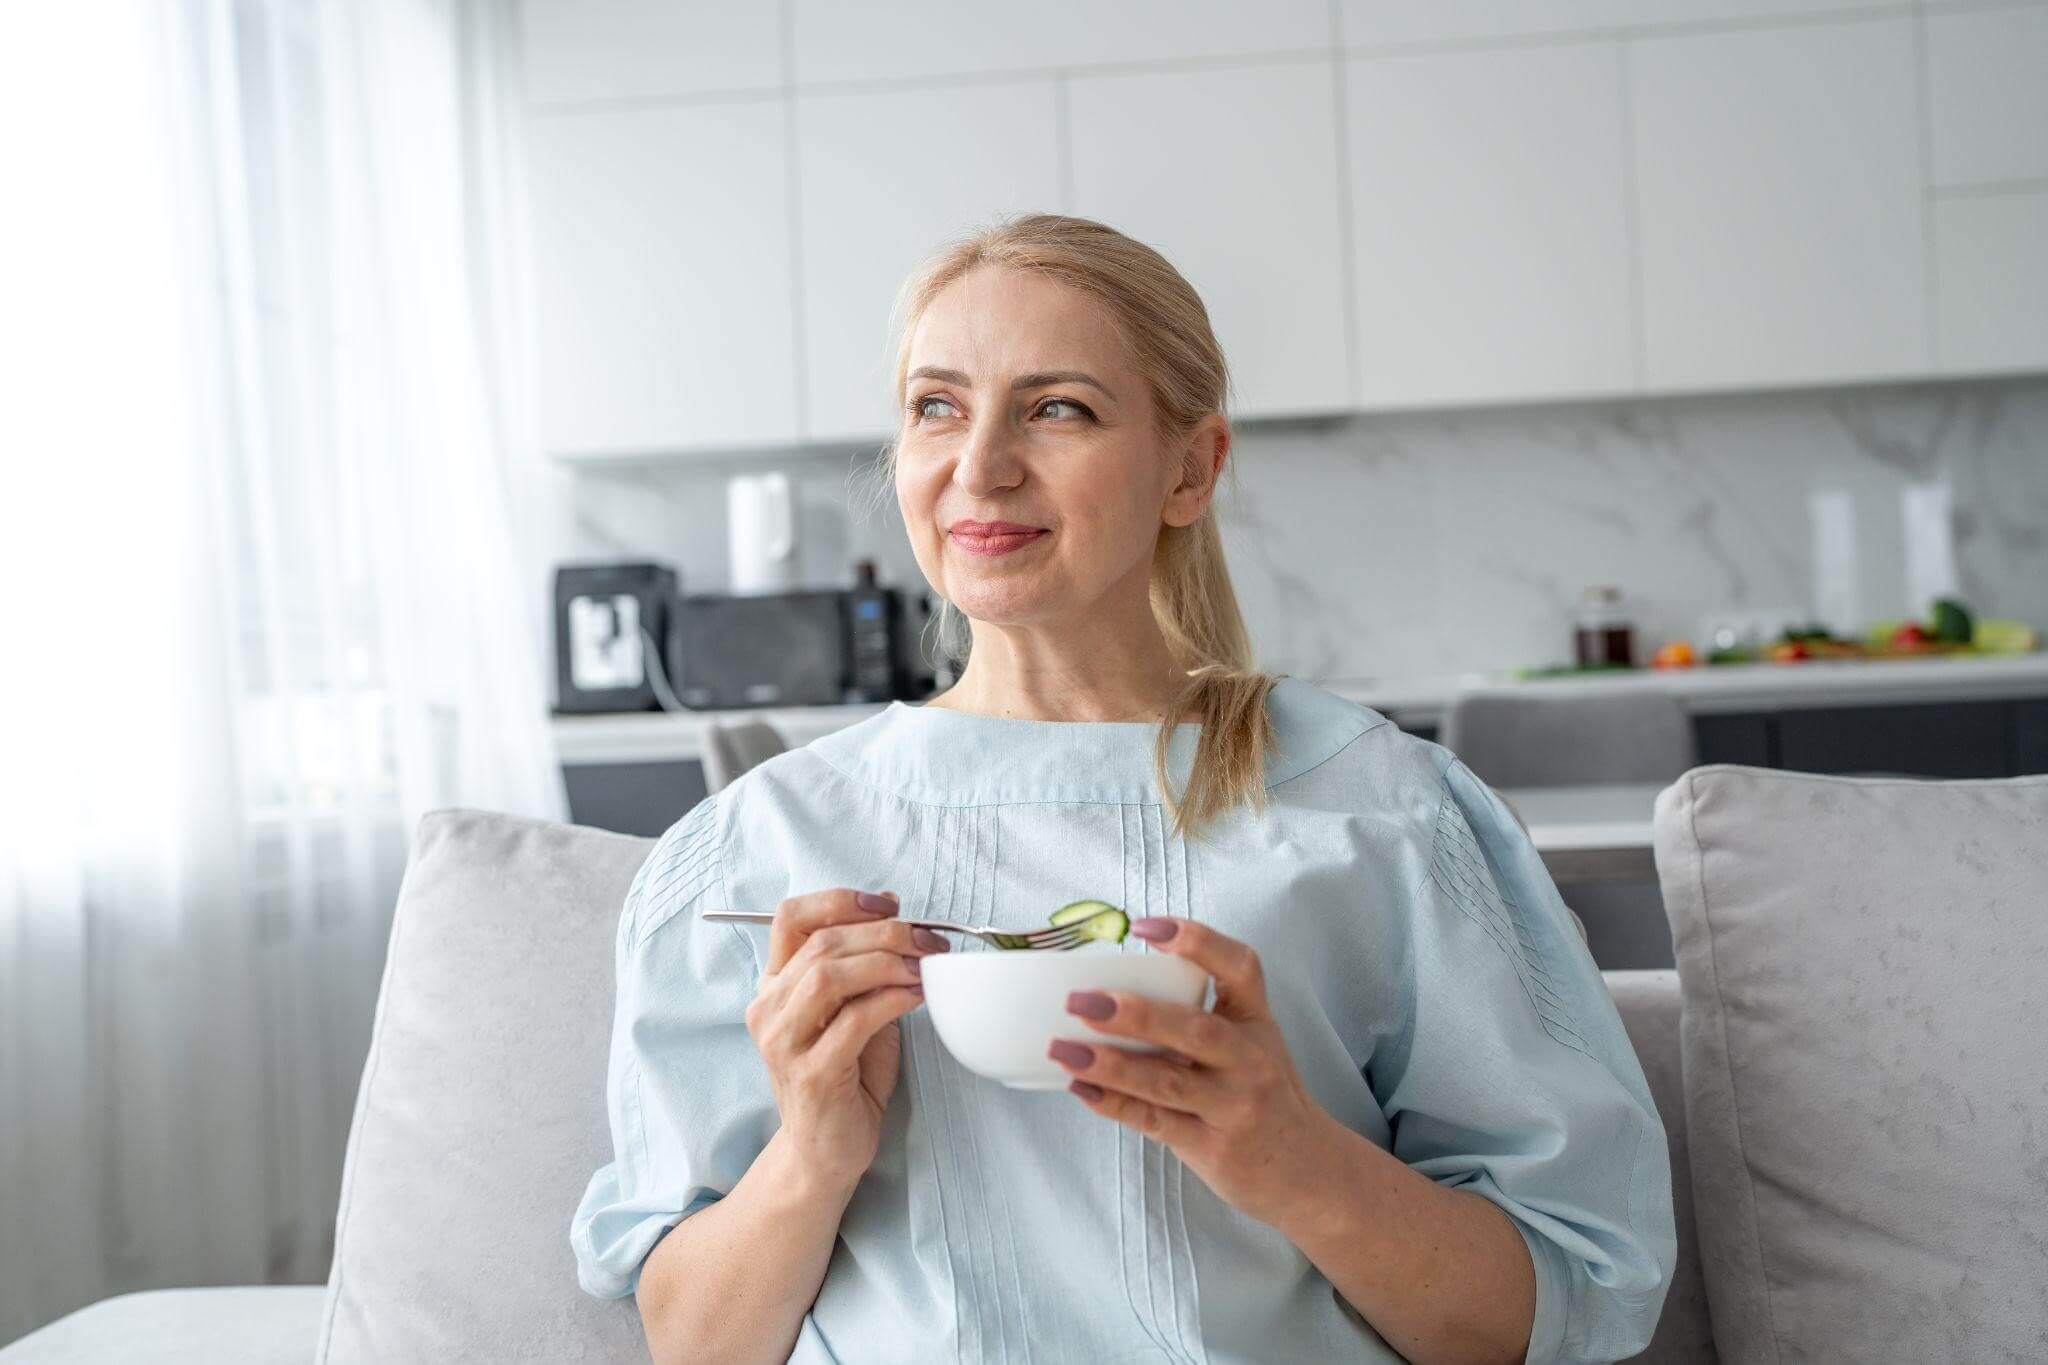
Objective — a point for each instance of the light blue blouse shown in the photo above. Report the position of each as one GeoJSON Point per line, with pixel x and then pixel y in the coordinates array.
{"type": "Point", "coordinates": [1431, 987]}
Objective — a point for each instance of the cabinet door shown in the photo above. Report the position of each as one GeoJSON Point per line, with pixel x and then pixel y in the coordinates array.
{"type": "Point", "coordinates": [886, 179]}
{"type": "Point", "coordinates": [662, 278]}
{"type": "Point", "coordinates": [633, 798]}
{"type": "Point", "coordinates": [916, 40]}
{"type": "Point", "coordinates": [1987, 95]}
{"type": "Point", "coordinates": [1489, 210]}
{"type": "Point", "coordinates": [1375, 22]}
{"type": "Point", "coordinates": [1987, 110]}
{"type": "Point", "coordinates": [1943, 739]}
{"type": "Point", "coordinates": [1779, 199]}
{"type": "Point", "coordinates": [1991, 282]}
{"type": "Point", "coordinates": [1232, 173]}
{"type": "Point", "coordinates": [624, 49]}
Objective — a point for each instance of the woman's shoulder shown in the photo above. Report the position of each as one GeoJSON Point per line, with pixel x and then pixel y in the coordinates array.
{"type": "Point", "coordinates": [1323, 737]}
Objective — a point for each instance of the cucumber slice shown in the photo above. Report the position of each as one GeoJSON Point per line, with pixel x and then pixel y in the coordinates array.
{"type": "Point", "coordinates": [1098, 920]}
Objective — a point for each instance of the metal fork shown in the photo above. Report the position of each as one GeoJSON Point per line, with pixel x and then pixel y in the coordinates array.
{"type": "Point", "coordinates": [1059, 937]}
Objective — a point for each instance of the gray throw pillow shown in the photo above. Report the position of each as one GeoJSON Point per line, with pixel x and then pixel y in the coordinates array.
{"type": "Point", "coordinates": [1864, 970]}
{"type": "Point", "coordinates": [481, 1112]}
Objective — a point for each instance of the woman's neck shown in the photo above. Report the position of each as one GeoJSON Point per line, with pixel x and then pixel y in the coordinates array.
{"type": "Point", "coordinates": [1023, 681]}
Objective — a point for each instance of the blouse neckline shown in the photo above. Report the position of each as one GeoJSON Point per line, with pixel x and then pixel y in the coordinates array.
{"type": "Point", "coordinates": [936, 755]}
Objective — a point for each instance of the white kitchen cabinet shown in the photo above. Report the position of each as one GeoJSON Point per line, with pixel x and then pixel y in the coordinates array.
{"type": "Point", "coordinates": [916, 40]}
{"type": "Point", "coordinates": [1780, 205]}
{"type": "Point", "coordinates": [887, 178]}
{"type": "Point", "coordinates": [1489, 207]}
{"type": "Point", "coordinates": [1991, 273]}
{"type": "Point", "coordinates": [1371, 22]}
{"type": "Point", "coordinates": [578, 50]}
{"type": "Point", "coordinates": [1987, 94]}
{"type": "Point", "coordinates": [1232, 174]}
{"type": "Point", "coordinates": [662, 260]}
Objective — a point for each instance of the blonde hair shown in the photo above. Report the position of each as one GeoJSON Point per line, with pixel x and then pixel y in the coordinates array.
{"type": "Point", "coordinates": [1174, 350]}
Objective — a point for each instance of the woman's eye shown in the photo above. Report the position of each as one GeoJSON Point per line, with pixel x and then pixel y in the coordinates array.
{"type": "Point", "coordinates": [919, 408]}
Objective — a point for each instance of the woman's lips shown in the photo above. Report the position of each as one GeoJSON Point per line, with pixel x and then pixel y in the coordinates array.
{"type": "Point", "coordinates": [999, 544]}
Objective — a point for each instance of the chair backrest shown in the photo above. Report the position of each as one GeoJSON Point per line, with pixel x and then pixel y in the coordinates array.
{"type": "Point", "coordinates": [1569, 736]}
{"type": "Point", "coordinates": [733, 746]}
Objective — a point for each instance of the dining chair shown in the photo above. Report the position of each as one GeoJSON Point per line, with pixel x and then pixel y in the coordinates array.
{"type": "Point", "coordinates": [730, 747]}
{"type": "Point", "coordinates": [1569, 737]}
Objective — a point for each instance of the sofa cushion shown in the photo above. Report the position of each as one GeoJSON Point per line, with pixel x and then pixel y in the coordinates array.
{"type": "Point", "coordinates": [263, 1324]}
{"type": "Point", "coordinates": [1864, 965]}
{"type": "Point", "coordinates": [481, 1112]}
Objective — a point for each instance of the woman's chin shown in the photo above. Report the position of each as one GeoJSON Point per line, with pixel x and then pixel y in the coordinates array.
{"type": "Point", "coordinates": [1006, 604]}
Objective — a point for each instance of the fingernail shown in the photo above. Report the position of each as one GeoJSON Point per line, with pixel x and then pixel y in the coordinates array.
{"type": "Point", "coordinates": [1085, 1090]}
{"type": "Point", "coordinates": [1155, 928]}
{"type": "Point", "coordinates": [929, 941]}
{"type": "Point", "coordinates": [1090, 1004]}
{"type": "Point", "coordinates": [1071, 1053]}
{"type": "Point", "coordinates": [874, 904]}
{"type": "Point", "coordinates": [916, 967]}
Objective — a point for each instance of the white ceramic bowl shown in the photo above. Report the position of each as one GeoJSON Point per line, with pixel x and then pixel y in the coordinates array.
{"type": "Point", "coordinates": [997, 1010]}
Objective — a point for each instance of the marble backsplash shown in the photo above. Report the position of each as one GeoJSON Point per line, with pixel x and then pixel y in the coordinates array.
{"type": "Point", "coordinates": [1410, 545]}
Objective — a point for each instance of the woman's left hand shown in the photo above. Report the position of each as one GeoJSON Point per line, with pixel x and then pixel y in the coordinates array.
{"type": "Point", "coordinates": [1230, 1104]}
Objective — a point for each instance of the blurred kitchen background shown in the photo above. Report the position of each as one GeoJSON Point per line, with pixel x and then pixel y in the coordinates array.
{"type": "Point", "coordinates": [1570, 340]}
{"type": "Point", "coordinates": [458, 402]}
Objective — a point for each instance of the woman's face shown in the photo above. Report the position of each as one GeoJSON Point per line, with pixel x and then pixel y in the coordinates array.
{"type": "Point", "coordinates": [1019, 407]}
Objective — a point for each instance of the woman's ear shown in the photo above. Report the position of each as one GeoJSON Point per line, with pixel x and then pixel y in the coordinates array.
{"type": "Point", "coordinates": [1200, 465]}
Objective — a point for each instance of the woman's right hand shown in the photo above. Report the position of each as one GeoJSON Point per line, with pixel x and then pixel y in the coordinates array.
{"type": "Point", "coordinates": [840, 972]}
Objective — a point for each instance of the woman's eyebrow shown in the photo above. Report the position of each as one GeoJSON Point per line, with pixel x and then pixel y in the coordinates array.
{"type": "Point", "coordinates": [1022, 381]}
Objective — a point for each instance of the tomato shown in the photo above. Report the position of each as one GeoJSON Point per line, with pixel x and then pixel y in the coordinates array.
{"type": "Point", "coordinates": [1911, 638]}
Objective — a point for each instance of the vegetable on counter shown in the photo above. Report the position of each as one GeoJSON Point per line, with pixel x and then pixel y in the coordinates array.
{"type": "Point", "coordinates": [1950, 629]}
{"type": "Point", "coordinates": [1952, 621]}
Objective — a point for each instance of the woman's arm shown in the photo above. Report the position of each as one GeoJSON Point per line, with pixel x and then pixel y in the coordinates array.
{"type": "Point", "coordinates": [1441, 1273]}
{"type": "Point", "coordinates": [733, 1281]}
{"type": "Point", "coordinates": [1512, 1082]}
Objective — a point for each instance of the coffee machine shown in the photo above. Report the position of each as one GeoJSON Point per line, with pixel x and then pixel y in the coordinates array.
{"type": "Point", "coordinates": [612, 623]}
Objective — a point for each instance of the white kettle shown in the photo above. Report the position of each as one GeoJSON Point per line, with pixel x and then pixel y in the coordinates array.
{"type": "Point", "coordinates": [762, 529]}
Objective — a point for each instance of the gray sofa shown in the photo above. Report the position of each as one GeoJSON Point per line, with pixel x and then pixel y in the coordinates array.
{"type": "Point", "coordinates": [1822, 927]}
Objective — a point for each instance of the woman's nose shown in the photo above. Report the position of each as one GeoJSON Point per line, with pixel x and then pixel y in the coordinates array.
{"type": "Point", "coordinates": [988, 460]}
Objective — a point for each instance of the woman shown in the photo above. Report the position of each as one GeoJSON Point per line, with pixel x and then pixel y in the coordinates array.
{"type": "Point", "coordinates": [1412, 1125]}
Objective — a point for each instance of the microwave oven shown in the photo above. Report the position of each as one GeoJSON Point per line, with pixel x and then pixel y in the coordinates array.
{"type": "Point", "coordinates": [627, 641]}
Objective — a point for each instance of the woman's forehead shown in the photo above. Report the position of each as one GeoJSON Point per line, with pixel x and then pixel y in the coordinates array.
{"type": "Point", "coordinates": [994, 333]}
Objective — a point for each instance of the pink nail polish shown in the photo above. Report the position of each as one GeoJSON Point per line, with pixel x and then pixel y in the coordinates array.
{"type": "Point", "coordinates": [1090, 1004]}
{"type": "Point", "coordinates": [1071, 1053]}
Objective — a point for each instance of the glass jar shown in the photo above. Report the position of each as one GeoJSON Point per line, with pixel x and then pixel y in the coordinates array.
{"type": "Point", "coordinates": [1603, 635]}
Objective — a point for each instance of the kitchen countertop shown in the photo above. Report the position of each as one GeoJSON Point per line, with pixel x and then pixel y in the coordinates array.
{"type": "Point", "coordinates": [655, 737]}
{"type": "Point", "coordinates": [1720, 688]}
{"type": "Point", "coordinates": [1590, 833]}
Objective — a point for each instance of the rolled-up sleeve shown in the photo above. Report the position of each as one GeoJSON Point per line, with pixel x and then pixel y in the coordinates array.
{"type": "Point", "coordinates": [1514, 1078]}
{"type": "Point", "coordinates": [688, 1098]}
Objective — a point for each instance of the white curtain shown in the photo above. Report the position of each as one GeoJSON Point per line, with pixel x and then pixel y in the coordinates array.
{"type": "Point", "coordinates": [262, 426]}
